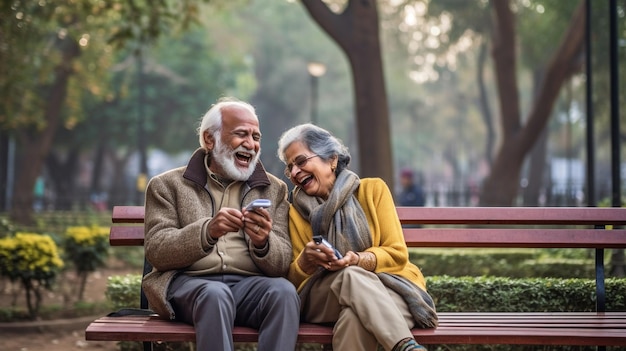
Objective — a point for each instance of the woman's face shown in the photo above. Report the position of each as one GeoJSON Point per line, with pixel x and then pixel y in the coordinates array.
{"type": "Point", "coordinates": [309, 171]}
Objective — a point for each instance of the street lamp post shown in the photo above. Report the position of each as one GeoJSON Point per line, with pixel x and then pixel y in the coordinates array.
{"type": "Point", "coordinates": [316, 70]}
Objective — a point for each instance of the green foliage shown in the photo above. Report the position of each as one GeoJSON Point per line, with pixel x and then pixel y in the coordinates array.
{"type": "Point", "coordinates": [87, 247]}
{"type": "Point", "coordinates": [6, 228]}
{"type": "Point", "coordinates": [518, 263]}
{"type": "Point", "coordinates": [499, 294]}
{"type": "Point", "coordinates": [607, 202]}
{"type": "Point", "coordinates": [34, 261]}
{"type": "Point", "coordinates": [30, 256]}
{"type": "Point", "coordinates": [124, 291]}
{"type": "Point", "coordinates": [541, 23]}
{"type": "Point", "coordinates": [132, 256]}
{"type": "Point", "coordinates": [55, 223]}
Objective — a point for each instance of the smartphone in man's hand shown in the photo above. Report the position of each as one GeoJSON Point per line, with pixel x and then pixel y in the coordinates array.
{"type": "Point", "coordinates": [258, 203]}
{"type": "Point", "coordinates": [320, 240]}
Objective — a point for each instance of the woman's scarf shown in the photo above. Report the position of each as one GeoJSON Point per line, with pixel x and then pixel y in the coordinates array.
{"type": "Point", "coordinates": [341, 220]}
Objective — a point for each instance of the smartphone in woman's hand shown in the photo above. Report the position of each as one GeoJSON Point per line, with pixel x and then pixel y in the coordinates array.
{"type": "Point", "coordinates": [320, 240]}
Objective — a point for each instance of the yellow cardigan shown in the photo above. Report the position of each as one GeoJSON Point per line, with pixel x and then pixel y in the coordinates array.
{"type": "Point", "coordinates": [387, 239]}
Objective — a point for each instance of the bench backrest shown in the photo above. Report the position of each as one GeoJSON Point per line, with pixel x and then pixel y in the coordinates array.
{"type": "Point", "coordinates": [514, 227]}
{"type": "Point", "coordinates": [546, 227]}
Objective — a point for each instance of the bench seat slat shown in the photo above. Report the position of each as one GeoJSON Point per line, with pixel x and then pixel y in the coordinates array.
{"type": "Point", "coordinates": [501, 328]}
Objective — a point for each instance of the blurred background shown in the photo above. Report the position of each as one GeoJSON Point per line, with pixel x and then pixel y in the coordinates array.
{"type": "Point", "coordinates": [483, 102]}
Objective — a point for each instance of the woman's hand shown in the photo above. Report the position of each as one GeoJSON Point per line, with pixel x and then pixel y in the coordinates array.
{"type": "Point", "coordinates": [349, 259]}
{"type": "Point", "coordinates": [314, 256]}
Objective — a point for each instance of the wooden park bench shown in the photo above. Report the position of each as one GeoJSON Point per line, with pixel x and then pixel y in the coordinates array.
{"type": "Point", "coordinates": [442, 227]}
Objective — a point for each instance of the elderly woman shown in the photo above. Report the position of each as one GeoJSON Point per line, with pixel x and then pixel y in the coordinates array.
{"type": "Point", "coordinates": [372, 294]}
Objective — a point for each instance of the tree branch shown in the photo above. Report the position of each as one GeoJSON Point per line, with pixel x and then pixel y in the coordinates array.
{"type": "Point", "coordinates": [564, 63]}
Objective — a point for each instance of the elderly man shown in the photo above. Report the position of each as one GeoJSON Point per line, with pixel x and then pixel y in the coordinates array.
{"type": "Point", "coordinates": [216, 263]}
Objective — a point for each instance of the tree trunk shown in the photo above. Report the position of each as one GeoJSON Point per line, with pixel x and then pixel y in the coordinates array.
{"type": "Point", "coordinates": [95, 186]}
{"type": "Point", "coordinates": [618, 263]}
{"type": "Point", "coordinates": [5, 168]}
{"type": "Point", "coordinates": [484, 103]}
{"type": "Point", "coordinates": [501, 186]}
{"type": "Point", "coordinates": [118, 193]}
{"type": "Point", "coordinates": [536, 171]}
{"type": "Point", "coordinates": [36, 143]}
{"type": "Point", "coordinates": [356, 31]}
{"type": "Point", "coordinates": [63, 175]}
{"type": "Point", "coordinates": [537, 161]}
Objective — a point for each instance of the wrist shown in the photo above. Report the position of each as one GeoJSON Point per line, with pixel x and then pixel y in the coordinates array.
{"type": "Point", "coordinates": [367, 261]}
{"type": "Point", "coordinates": [211, 239]}
{"type": "Point", "coordinates": [306, 268]}
{"type": "Point", "coordinates": [358, 259]}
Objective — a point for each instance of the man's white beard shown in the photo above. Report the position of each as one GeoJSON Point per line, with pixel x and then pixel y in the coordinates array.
{"type": "Point", "coordinates": [225, 156]}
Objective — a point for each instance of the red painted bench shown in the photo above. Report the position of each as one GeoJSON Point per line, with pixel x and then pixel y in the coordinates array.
{"type": "Point", "coordinates": [500, 227]}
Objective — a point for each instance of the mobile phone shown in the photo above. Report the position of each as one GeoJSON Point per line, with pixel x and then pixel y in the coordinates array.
{"type": "Point", "coordinates": [320, 240]}
{"type": "Point", "coordinates": [258, 203]}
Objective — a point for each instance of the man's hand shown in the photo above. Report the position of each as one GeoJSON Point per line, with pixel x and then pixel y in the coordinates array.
{"type": "Point", "coordinates": [257, 224]}
{"type": "Point", "coordinates": [226, 220]}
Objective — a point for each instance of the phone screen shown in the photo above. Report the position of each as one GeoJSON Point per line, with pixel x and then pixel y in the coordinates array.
{"type": "Point", "coordinates": [320, 240]}
{"type": "Point", "coordinates": [258, 203]}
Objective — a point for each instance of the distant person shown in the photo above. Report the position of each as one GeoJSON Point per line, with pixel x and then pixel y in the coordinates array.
{"type": "Point", "coordinates": [368, 289]}
{"type": "Point", "coordinates": [412, 193]}
{"type": "Point", "coordinates": [39, 193]}
{"type": "Point", "coordinates": [217, 264]}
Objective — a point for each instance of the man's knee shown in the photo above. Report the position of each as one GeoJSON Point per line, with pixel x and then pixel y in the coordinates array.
{"type": "Point", "coordinates": [283, 291]}
{"type": "Point", "coordinates": [283, 286]}
{"type": "Point", "coordinates": [212, 293]}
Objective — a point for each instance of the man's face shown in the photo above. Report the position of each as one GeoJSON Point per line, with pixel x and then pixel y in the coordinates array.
{"type": "Point", "coordinates": [237, 149]}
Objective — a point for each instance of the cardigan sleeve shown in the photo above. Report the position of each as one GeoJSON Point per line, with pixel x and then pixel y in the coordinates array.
{"type": "Point", "coordinates": [301, 233]}
{"type": "Point", "coordinates": [387, 237]}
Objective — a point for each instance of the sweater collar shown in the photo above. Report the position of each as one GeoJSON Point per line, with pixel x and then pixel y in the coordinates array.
{"type": "Point", "coordinates": [196, 172]}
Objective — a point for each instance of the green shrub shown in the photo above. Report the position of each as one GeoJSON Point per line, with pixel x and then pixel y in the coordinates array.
{"type": "Point", "coordinates": [124, 291]}
{"type": "Point", "coordinates": [514, 263]}
{"type": "Point", "coordinates": [6, 228]}
{"type": "Point", "coordinates": [33, 260]}
{"type": "Point", "coordinates": [87, 248]}
{"type": "Point", "coordinates": [132, 256]}
{"type": "Point", "coordinates": [497, 294]}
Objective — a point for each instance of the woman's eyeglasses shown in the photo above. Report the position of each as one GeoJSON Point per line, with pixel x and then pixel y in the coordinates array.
{"type": "Point", "coordinates": [300, 161]}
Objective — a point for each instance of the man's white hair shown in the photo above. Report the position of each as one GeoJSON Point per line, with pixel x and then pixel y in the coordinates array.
{"type": "Point", "coordinates": [212, 120]}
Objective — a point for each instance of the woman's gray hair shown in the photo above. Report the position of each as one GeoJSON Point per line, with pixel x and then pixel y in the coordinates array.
{"type": "Point", "coordinates": [212, 120]}
{"type": "Point", "coordinates": [320, 141]}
